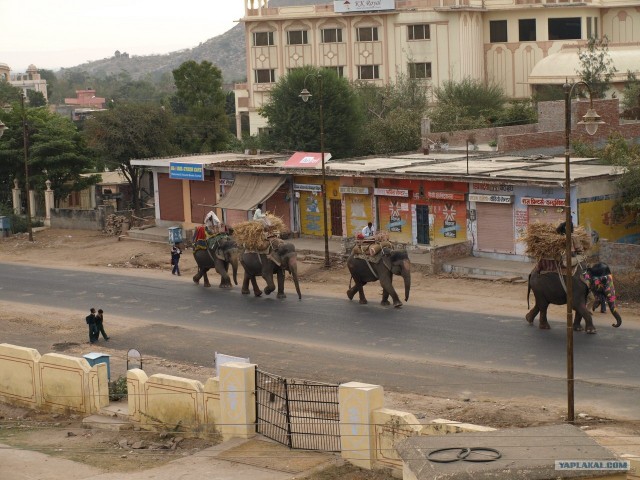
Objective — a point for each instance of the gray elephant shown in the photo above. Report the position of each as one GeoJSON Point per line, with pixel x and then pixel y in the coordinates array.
{"type": "Point", "coordinates": [280, 258]}
{"type": "Point", "coordinates": [221, 252]}
{"type": "Point", "coordinates": [548, 289]}
{"type": "Point", "coordinates": [390, 263]}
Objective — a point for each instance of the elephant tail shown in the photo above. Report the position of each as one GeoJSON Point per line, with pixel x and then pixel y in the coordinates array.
{"type": "Point", "coordinates": [528, 289]}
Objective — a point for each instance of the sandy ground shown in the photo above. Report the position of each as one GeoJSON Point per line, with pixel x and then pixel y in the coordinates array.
{"type": "Point", "coordinates": [64, 436]}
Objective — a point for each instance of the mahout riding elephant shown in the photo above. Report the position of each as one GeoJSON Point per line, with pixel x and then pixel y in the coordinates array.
{"type": "Point", "coordinates": [281, 257]}
{"type": "Point", "coordinates": [222, 252]}
{"type": "Point", "coordinates": [548, 289]}
{"type": "Point", "coordinates": [391, 262]}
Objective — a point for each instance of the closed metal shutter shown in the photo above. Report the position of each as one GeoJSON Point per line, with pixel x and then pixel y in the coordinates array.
{"type": "Point", "coordinates": [171, 204]}
{"type": "Point", "coordinates": [203, 197]}
{"type": "Point", "coordinates": [495, 228]}
{"type": "Point", "coordinates": [553, 215]}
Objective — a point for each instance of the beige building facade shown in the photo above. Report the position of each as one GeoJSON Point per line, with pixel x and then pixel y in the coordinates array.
{"type": "Point", "coordinates": [514, 43]}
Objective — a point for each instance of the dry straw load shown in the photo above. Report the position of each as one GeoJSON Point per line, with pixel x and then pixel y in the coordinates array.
{"type": "Point", "coordinates": [254, 234]}
{"type": "Point", "coordinates": [543, 241]}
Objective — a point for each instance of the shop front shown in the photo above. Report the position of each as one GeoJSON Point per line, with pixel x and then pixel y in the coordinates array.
{"type": "Point", "coordinates": [357, 200]}
{"type": "Point", "coordinates": [308, 205]}
{"type": "Point", "coordinates": [491, 218]}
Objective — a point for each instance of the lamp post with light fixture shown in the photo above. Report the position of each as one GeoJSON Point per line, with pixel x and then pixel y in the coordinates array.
{"type": "Point", "coordinates": [591, 120]}
{"type": "Point", "coordinates": [305, 95]}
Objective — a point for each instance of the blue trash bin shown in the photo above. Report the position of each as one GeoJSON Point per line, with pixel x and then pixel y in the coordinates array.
{"type": "Point", "coordinates": [95, 357]}
{"type": "Point", "coordinates": [175, 234]}
{"type": "Point", "coordinates": [5, 226]}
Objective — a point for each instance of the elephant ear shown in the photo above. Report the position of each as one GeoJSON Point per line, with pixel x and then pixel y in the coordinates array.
{"type": "Point", "coordinates": [275, 257]}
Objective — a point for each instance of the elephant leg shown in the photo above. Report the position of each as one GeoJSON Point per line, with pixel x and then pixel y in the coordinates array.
{"type": "Point", "coordinates": [225, 280]}
{"type": "Point", "coordinates": [352, 291]}
{"type": "Point", "coordinates": [358, 287]}
{"type": "Point", "coordinates": [205, 278]}
{"type": "Point", "coordinates": [271, 287]}
{"type": "Point", "coordinates": [245, 283]}
{"type": "Point", "coordinates": [533, 313]}
{"type": "Point", "coordinates": [544, 323]}
{"type": "Point", "coordinates": [197, 276]}
{"type": "Point", "coordinates": [577, 320]}
{"type": "Point", "coordinates": [281, 284]}
{"type": "Point", "coordinates": [385, 298]}
{"type": "Point", "coordinates": [388, 290]}
{"type": "Point", "coordinates": [583, 312]}
{"type": "Point", "coordinates": [256, 290]}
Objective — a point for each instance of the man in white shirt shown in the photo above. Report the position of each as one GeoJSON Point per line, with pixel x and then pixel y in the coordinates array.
{"type": "Point", "coordinates": [211, 221]}
{"type": "Point", "coordinates": [258, 215]}
{"type": "Point", "coordinates": [367, 231]}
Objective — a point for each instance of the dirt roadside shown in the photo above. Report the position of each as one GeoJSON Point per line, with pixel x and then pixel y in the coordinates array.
{"type": "Point", "coordinates": [63, 435]}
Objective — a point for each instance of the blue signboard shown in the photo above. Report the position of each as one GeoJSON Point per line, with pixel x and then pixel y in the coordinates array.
{"type": "Point", "coordinates": [186, 171]}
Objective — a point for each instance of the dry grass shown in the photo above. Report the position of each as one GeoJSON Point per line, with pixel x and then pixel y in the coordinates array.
{"type": "Point", "coordinates": [543, 241]}
{"type": "Point", "coordinates": [253, 234]}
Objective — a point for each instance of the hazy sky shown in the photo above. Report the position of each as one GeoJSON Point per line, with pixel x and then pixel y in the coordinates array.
{"type": "Point", "coordinates": [65, 33]}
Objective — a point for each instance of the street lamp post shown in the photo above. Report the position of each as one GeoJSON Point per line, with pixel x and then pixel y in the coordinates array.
{"type": "Point", "coordinates": [591, 120]}
{"type": "Point", "coordinates": [305, 95]}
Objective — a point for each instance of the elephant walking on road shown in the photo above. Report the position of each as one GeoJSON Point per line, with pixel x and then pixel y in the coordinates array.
{"type": "Point", "coordinates": [222, 252]}
{"type": "Point", "coordinates": [390, 263]}
{"type": "Point", "coordinates": [281, 258]}
{"type": "Point", "coordinates": [548, 289]}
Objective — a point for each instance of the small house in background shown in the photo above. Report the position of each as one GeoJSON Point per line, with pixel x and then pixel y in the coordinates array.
{"type": "Point", "coordinates": [113, 189]}
{"type": "Point", "coordinates": [84, 104]}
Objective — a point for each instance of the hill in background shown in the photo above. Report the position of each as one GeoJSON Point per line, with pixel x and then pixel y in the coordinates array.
{"type": "Point", "coordinates": [226, 51]}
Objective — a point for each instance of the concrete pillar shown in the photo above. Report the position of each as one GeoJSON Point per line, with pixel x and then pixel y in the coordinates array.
{"type": "Point", "coordinates": [357, 432]}
{"type": "Point", "coordinates": [237, 400]}
{"type": "Point", "coordinates": [238, 126]}
{"type": "Point", "coordinates": [48, 203]}
{"type": "Point", "coordinates": [16, 195]}
{"type": "Point", "coordinates": [186, 200]}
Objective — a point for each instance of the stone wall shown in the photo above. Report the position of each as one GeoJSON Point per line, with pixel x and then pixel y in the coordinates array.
{"type": "Point", "coordinates": [620, 256]}
{"type": "Point", "coordinates": [445, 253]}
{"type": "Point", "coordinates": [75, 219]}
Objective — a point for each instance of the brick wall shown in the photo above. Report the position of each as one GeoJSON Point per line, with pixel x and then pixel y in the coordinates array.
{"type": "Point", "coordinates": [620, 256]}
{"type": "Point", "coordinates": [443, 254]}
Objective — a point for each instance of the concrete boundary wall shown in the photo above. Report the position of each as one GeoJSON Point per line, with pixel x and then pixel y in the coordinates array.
{"type": "Point", "coordinates": [620, 256]}
{"type": "Point", "coordinates": [53, 382]}
{"type": "Point", "coordinates": [225, 405]}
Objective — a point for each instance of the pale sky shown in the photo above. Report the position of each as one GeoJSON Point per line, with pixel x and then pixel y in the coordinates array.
{"type": "Point", "coordinates": [64, 33]}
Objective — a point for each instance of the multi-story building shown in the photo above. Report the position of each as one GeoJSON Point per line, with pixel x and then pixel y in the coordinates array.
{"type": "Point", "coordinates": [30, 80]}
{"type": "Point", "coordinates": [517, 44]}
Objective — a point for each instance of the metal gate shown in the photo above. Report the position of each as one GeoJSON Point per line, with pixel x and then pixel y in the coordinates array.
{"type": "Point", "coordinates": [298, 413]}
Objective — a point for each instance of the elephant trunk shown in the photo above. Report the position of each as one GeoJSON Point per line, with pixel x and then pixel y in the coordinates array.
{"type": "Point", "coordinates": [406, 276]}
{"type": "Point", "coordinates": [618, 319]}
{"type": "Point", "coordinates": [293, 269]}
{"type": "Point", "coordinates": [234, 265]}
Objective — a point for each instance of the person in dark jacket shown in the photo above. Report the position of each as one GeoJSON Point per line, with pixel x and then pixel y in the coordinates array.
{"type": "Point", "coordinates": [175, 259]}
{"type": "Point", "coordinates": [100, 326]}
{"type": "Point", "coordinates": [91, 321]}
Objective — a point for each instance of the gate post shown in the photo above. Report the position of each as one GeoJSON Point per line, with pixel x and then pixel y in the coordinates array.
{"type": "Point", "coordinates": [237, 400]}
{"type": "Point", "coordinates": [357, 403]}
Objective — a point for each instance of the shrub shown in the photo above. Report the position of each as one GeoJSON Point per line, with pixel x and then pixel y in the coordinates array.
{"type": "Point", "coordinates": [118, 389]}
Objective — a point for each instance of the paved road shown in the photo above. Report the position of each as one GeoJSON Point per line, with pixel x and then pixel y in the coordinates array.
{"type": "Point", "coordinates": [414, 349]}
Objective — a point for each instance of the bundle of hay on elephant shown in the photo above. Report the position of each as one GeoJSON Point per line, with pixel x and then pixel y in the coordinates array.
{"type": "Point", "coordinates": [378, 261]}
{"type": "Point", "coordinates": [266, 254]}
{"type": "Point", "coordinates": [221, 251]}
{"type": "Point", "coordinates": [547, 280]}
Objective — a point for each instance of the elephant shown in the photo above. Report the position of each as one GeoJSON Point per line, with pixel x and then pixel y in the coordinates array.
{"type": "Point", "coordinates": [280, 258]}
{"type": "Point", "coordinates": [221, 252]}
{"type": "Point", "coordinates": [548, 289]}
{"type": "Point", "coordinates": [365, 271]}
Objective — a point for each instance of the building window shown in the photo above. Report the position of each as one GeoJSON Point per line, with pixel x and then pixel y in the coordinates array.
{"type": "Point", "coordinates": [527, 30]}
{"type": "Point", "coordinates": [339, 70]}
{"type": "Point", "coordinates": [368, 72]}
{"type": "Point", "coordinates": [367, 34]}
{"type": "Point", "coordinates": [498, 31]}
{"type": "Point", "coordinates": [418, 32]}
{"type": "Point", "coordinates": [262, 39]}
{"type": "Point", "coordinates": [297, 37]}
{"type": "Point", "coordinates": [420, 70]}
{"type": "Point", "coordinates": [565, 28]}
{"type": "Point", "coordinates": [331, 35]}
{"type": "Point", "coordinates": [265, 76]}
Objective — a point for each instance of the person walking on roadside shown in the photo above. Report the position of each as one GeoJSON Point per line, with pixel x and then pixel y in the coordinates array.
{"type": "Point", "coordinates": [100, 326]}
{"type": "Point", "coordinates": [175, 259]}
{"type": "Point", "coordinates": [91, 321]}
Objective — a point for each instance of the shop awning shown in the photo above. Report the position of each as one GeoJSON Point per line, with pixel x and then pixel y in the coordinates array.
{"type": "Point", "coordinates": [307, 160]}
{"type": "Point", "coordinates": [249, 190]}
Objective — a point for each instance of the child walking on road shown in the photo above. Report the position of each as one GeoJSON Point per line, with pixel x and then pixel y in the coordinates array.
{"type": "Point", "coordinates": [175, 259]}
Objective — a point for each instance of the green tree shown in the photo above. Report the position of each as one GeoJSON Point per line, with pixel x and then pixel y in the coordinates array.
{"type": "Point", "coordinates": [8, 93]}
{"type": "Point", "coordinates": [56, 152]}
{"type": "Point", "coordinates": [36, 99]}
{"type": "Point", "coordinates": [596, 66]}
{"type": "Point", "coordinates": [52, 80]}
{"type": "Point", "coordinates": [465, 105]}
{"type": "Point", "coordinates": [631, 97]}
{"type": "Point", "coordinates": [295, 125]}
{"type": "Point", "coordinates": [127, 132]}
{"type": "Point", "coordinates": [393, 115]}
{"type": "Point", "coordinates": [200, 105]}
